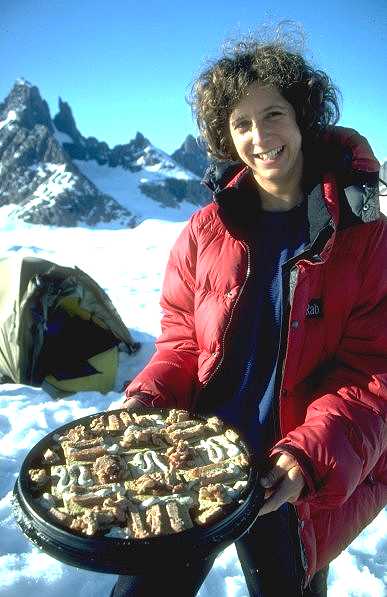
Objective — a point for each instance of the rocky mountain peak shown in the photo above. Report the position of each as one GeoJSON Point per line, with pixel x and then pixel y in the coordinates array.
{"type": "Point", "coordinates": [23, 81]}
{"type": "Point", "coordinates": [26, 106]}
{"type": "Point", "coordinates": [139, 143]}
{"type": "Point", "coordinates": [64, 121]}
{"type": "Point", "coordinates": [37, 175]}
{"type": "Point", "coordinates": [192, 155]}
{"type": "Point", "coordinates": [190, 144]}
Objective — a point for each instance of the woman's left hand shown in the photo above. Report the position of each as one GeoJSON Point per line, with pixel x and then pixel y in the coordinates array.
{"type": "Point", "coordinates": [283, 483]}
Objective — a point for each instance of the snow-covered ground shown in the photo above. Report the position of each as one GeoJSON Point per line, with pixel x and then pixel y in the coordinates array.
{"type": "Point", "coordinates": [129, 265]}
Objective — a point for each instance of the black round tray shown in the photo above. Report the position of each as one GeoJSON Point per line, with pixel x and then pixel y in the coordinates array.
{"type": "Point", "coordinates": [126, 556]}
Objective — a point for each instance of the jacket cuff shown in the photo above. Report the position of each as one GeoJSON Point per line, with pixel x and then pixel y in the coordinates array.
{"type": "Point", "coordinates": [152, 397]}
{"type": "Point", "coordinates": [141, 398]}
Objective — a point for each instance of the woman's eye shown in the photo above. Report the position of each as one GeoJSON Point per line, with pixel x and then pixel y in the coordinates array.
{"type": "Point", "coordinates": [274, 114]}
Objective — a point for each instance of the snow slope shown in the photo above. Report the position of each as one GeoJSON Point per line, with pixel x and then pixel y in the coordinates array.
{"type": "Point", "coordinates": [123, 185]}
{"type": "Point", "coordinates": [129, 265]}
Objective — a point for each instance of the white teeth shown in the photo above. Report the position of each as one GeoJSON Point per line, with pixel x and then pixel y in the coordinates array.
{"type": "Point", "coordinates": [270, 155]}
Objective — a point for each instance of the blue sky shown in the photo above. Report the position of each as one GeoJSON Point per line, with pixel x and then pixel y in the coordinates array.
{"type": "Point", "coordinates": [126, 66]}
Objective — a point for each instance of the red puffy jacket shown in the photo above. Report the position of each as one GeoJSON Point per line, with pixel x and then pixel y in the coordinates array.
{"type": "Point", "coordinates": [332, 384]}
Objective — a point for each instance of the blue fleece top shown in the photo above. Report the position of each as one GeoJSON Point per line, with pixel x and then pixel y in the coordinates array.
{"type": "Point", "coordinates": [280, 236]}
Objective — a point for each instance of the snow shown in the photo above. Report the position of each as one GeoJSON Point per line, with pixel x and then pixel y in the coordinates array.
{"type": "Point", "coordinates": [22, 81]}
{"type": "Point", "coordinates": [129, 265]}
{"type": "Point", "coordinates": [166, 165]}
{"type": "Point", "coordinates": [348, 578]}
{"type": "Point", "coordinates": [62, 137]}
{"type": "Point", "coordinates": [11, 117]}
{"type": "Point", "coordinates": [8, 215]}
{"type": "Point", "coordinates": [123, 186]}
{"type": "Point", "coordinates": [56, 181]}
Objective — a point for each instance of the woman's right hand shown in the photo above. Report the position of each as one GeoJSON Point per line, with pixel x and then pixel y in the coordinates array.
{"type": "Point", "coordinates": [138, 402]}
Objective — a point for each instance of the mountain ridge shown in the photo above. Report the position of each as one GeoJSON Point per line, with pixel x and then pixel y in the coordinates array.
{"type": "Point", "coordinates": [46, 175]}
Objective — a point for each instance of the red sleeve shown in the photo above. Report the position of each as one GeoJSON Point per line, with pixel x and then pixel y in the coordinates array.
{"type": "Point", "coordinates": [170, 378]}
{"type": "Point", "coordinates": [344, 433]}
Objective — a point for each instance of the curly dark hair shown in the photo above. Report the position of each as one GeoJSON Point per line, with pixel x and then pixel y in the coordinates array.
{"type": "Point", "coordinates": [219, 88]}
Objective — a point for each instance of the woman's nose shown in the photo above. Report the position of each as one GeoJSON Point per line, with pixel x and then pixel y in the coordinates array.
{"type": "Point", "coordinates": [259, 133]}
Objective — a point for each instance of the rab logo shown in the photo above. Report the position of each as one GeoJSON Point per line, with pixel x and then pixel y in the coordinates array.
{"type": "Point", "coordinates": [314, 310]}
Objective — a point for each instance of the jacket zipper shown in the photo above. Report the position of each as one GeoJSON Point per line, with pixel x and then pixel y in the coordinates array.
{"type": "Point", "coordinates": [248, 271]}
{"type": "Point", "coordinates": [288, 295]}
{"type": "Point", "coordinates": [291, 284]}
{"type": "Point", "coordinates": [281, 354]}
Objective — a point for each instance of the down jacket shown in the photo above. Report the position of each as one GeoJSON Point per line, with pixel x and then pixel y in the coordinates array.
{"type": "Point", "coordinates": [332, 362]}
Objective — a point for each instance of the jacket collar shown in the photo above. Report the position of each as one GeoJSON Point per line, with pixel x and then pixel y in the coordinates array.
{"type": "Point", "coordinates": [341, 186]}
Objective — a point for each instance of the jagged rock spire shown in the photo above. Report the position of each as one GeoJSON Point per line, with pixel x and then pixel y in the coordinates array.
{"type": "Point", "coordinates": [64, 121]}
{"type": "Point", "coordinates": [25, 100]}
{"type": "Point", "coordinates": [192, 155]}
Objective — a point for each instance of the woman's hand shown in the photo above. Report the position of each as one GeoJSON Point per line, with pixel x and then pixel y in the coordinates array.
{"type": "Point", "coordinates": [137, 403]}
{"type": "Point", "coordinates": [283, 483]}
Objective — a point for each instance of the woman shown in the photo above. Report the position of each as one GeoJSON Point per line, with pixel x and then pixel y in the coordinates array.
{"type": "Point", "coordinates": [274, 310]}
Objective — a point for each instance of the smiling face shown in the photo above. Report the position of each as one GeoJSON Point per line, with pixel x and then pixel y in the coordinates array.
{"type": "Point", "coordinates": [266, 137]}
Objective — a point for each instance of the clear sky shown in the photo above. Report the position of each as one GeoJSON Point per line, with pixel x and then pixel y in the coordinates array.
{"type": "Point", "coordinates": [126, 66]}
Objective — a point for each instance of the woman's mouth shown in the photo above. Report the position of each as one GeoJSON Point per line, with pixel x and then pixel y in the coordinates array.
{"type": "Point", "coordinates": [269, 156]}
